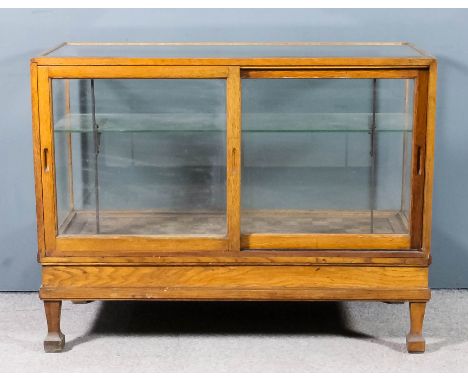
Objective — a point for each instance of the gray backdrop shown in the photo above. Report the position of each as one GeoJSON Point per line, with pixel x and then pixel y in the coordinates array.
{"type": "Point", "coordinates": [25, 33]}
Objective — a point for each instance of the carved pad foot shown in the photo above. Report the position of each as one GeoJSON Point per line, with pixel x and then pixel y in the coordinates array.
{"type": "Point", "coordinates": [54, 342]}
{"type": "Point", "coordinates": [415, 343]}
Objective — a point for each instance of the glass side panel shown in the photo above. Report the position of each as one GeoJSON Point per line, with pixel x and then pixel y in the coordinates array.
{"type": "Point", "coordinates": [326, 155]}
{"type": "Point", "coordinates": [140, 157]}
{"type": "Point", "coordinates": [234, 51]}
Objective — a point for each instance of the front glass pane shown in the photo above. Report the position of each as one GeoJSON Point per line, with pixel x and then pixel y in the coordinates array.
{"type": "Point", "coordinates": [140, 157]}
{"type": "Point", "coordinates": [326, 155]}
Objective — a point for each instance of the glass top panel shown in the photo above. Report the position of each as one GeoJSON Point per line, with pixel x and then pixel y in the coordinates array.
{"type": "Point", "coordinates": [234, 50]}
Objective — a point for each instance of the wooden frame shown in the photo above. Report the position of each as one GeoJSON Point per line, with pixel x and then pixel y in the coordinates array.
{"type": "Point", "coordinates": [234, 240]}
{"type": "Point", "coordinates": [256, 266]}
{"type": "Point", "coordinates": [420, 58]}
{"type": "Point", "coordinates": [357, 241]}
{"type": "Point", "coordinates": [147, 242]}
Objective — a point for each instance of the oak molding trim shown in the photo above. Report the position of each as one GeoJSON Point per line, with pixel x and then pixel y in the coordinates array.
{"type": "Point", "coordinates": [234, 294]}
{"type": "Point", "coordinates": [245, 257]}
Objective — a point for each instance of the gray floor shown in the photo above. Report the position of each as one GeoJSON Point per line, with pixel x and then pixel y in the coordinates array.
{"type": "Point", "coordinates": [234, 337]}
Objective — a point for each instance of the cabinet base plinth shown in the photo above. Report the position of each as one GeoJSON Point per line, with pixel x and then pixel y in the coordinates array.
{"type": "Point", "coordinates": [249, 282]}
{"type": "Point", "coordinates": [83, 283]}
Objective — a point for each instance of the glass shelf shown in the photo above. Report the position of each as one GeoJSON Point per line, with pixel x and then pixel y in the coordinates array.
{"type": "Point", "coordinates": [252, 123]}
{"type": "Point", "coordinates": [142, 122]}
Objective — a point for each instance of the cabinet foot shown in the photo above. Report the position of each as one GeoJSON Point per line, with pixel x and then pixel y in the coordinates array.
{"type": "Point", "coordinates": [55, 340]}
{"type": "Point", "coordinates": [415, 342]}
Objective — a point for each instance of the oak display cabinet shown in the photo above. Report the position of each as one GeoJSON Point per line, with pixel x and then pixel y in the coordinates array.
{"type": "Point", "coordinates": [237, 171]}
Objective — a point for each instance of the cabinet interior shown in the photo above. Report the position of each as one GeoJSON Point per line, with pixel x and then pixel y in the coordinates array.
{"type": "Point", "coordinates": [148, 157]}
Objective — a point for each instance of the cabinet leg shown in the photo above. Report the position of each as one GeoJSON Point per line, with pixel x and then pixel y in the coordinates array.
{"type": "Point", "coordinates": [55, 340]}
{"type": "Point", "coordinates": [415, 342]}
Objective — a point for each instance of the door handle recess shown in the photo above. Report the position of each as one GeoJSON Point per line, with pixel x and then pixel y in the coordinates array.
{"type": "Point", "coordinates": [46, 159]}
{"type": "Point", "coordinates": [234, 157]}
{"type": "Point", "coordinates": [419, 160]}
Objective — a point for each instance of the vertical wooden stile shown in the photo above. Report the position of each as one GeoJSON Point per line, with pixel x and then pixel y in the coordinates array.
{"type": "Point", "coordinates": [37, 161]}
{"type": "Point", "coordinates": [430, 138]}
{"type": "Point", "coordinates": [233, 157]}
{"type": "Point", "coordinates": [47, 156]}
{"type": "Point", "coordinates": [418, 160]}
